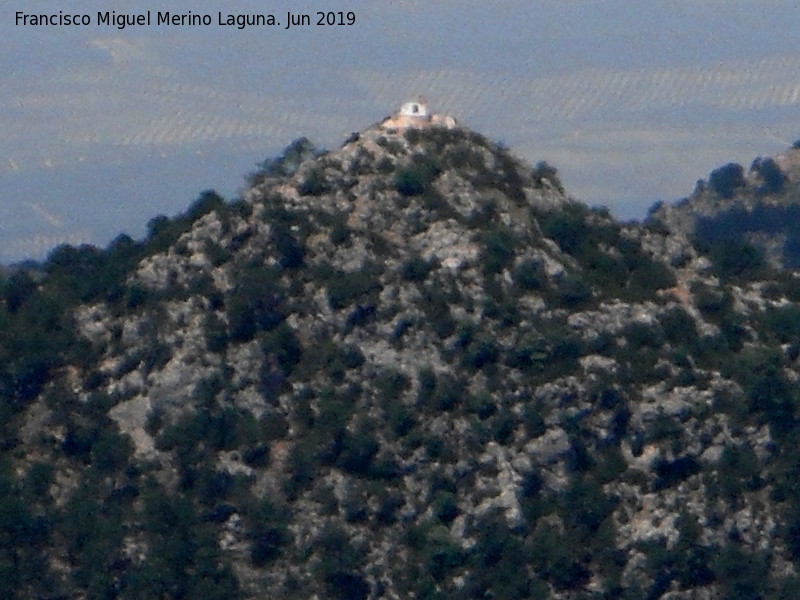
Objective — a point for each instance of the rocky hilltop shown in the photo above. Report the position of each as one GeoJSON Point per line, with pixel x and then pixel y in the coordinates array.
{"type": "Point", "coordinates": [757, 207]}
{"type": "Point", "coordinates": [412, 367]}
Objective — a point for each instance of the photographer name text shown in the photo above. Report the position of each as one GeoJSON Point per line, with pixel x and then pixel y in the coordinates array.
{"type": "Point", "coordinates": [186, 19]}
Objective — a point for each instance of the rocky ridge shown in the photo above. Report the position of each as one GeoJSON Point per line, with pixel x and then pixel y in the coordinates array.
{"type": "Point", "coordinates": [757, 206]}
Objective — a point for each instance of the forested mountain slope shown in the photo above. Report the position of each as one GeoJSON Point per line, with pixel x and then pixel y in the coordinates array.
{"type": "Point", "coordinates": [411, 367]}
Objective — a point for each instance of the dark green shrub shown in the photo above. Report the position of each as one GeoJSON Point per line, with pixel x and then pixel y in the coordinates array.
{"type": "Point", "coordinates": [434, 446]}
{"type": "Point", "coordinates": [136, 296]}
{"type": "Point", "coordinates": [648, 276]}
{"type": "Point", "coordinates": [385, 166]}
{"type": "Point", "coordinates": [553, 559]}
{"type": "Point", "coordinates": [735, 258]}
{"type": "Point", "coordinates": [464, 157]}
{"type": "Point", "coordinates": [426, 387]}
{"type": "Point", "coordinates": [726, 179]}
{"type": "Point", "coordinates": [482, 405]}
{"type": "Point", "coordinates": [359, 316]}
{"type": "Point", "coordinates": [314, 183]}
{"type": "Point", "coordinates": [671, 472]}
{"type": "Point", "coordinates": [291, 252]}
{"type": "Point", "coordinates": [782, 323]}
{"type": "Point", "coordinates": [163, 232]}
{"type": "Point", "coordinates": [354, 504]}
{"type": "Point", "coordinates": [530, 353]}
{"type": "Point", "coordinates": [111, 452]}
{"type": "Point", "coordinates": [334, 412]}
{"type": "Point", "coordinates": [358, 451]}
{"type": "Point", "coordinates": [712, 302]}
{"type": "Point", "coordinates": [436, 305]}
{"type": "Point", "coordinates": [448, 393]}
{"type": "Point", "coordinates": [391, 145]}
{"type": "Point", "coordinates": [266, 545]}
{"type": "Point", "coordinates": [480, 353]}
{"type": "Point", "coordinates": [388, 503]}
{"type": "Point", "coordinates": [347, 288]}
{"type": "Point", "coordinates": [772, 177]}
{"type": "Point", "coordinates": [217, 332]}
{"type": "Point", "coordinates": [417, 269]}
{"type": "Point", "coordinates": [340, 233]}
{"type": "Point", "coordinates": [352, 357]}
{"type": "Point", "coordinates": [285, 165]}
{"type": "Point", "coordinates": [347, 586]}
{"type": "Point", "coordinates": [533, 420]}
{"type": "Point", "coordinates": [79, 441]}
{"type": "Point", "coordinates": [502, 427]}
{"type": "Point", "coordinates": [303, 469]}
{"type": "Point", "coordinates": [391, 384]}
{"type": "Point", "coordinates": [273, 426]}
{"type": "Point", "coordinates": [740, 575]}
{"type": "Point", "coordinates": [573, 291]}
{"type": "Point", "coordinates": [255, 305]}
{"type": "Point", "coordinates": [156, 357]}
{"type": "Point", "coordinates": [567, 227]}
{"type": "Point", "coordinates": [664, 427]}
{"type": "Point", "coordinates": [498, 248]}
{"type": "Point", "coordinates": [401, 328]}
{"type": "Point", "coordinates": [256, 456]}
{"type": "Point", "coordinates": [640, 335]}
{"type": "Point", "coordinates": [266, 528]}
{"type": "Point", "coordinates": [410, 181]}
{"type": "Point", "coordinates": [437, 550]}
{"type": "Point", "coordinates": [691, 558]}
{"type": "Point", "coordinates": [221, 429]}
{"type": "Point", "coordinates": [543, 172]}
{"type": "Point", "coordinates": [17, 289]}
{"type": "Point", "coordinates": [738, 470]}
{"type": "Point", "coordinates": [445, 507]}
{"type": "Point", "coordinates": [208, 201]}
{"type": "Point", "coordinates": [678, 326]}
{"type": "Point", "coordinates": [401, 418]}
{"type": "Point", "coordinates": [498, 563]}
{"type": "Point", "coordinates": [238, 241]}
{"type": "Point", "coordinates": [84, 272]}
{"type": "Point", "coordinates": [530, 275]}
{"type": "Point", "coordinates": [340, 563]}
{"type": "Point", "coordinates": [39, 478]}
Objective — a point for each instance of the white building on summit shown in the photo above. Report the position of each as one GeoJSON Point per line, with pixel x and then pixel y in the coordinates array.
{"type": "Point", "coordinates": [414, 109]}
{"type": "Point", "coordinates": [417, 114]}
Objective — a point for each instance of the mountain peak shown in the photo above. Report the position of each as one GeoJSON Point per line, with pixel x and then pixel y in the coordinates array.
{"type": "Point", "coordinates": [417, 114]}
{"type": "Point", "coordinates": [414, 346]}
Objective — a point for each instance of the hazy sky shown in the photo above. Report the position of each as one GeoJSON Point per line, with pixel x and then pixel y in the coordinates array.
{"type": "Point", "coordinates": [103, 129]}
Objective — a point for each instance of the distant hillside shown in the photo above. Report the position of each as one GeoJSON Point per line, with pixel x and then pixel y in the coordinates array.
{"type": "Point", "coordinates": [411, 367]}
{"type": "Point", "coordinates": [759, 207]}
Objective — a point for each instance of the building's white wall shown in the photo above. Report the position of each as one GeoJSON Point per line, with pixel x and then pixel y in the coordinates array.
{"type": "Point", "coordinates": [414, 109]}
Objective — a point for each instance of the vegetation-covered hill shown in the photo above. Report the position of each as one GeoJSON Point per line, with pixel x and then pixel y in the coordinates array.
{"type": "Point", "coordinates": [752, 213]}
{"type": "Point", "coordinates": [408, 368]}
